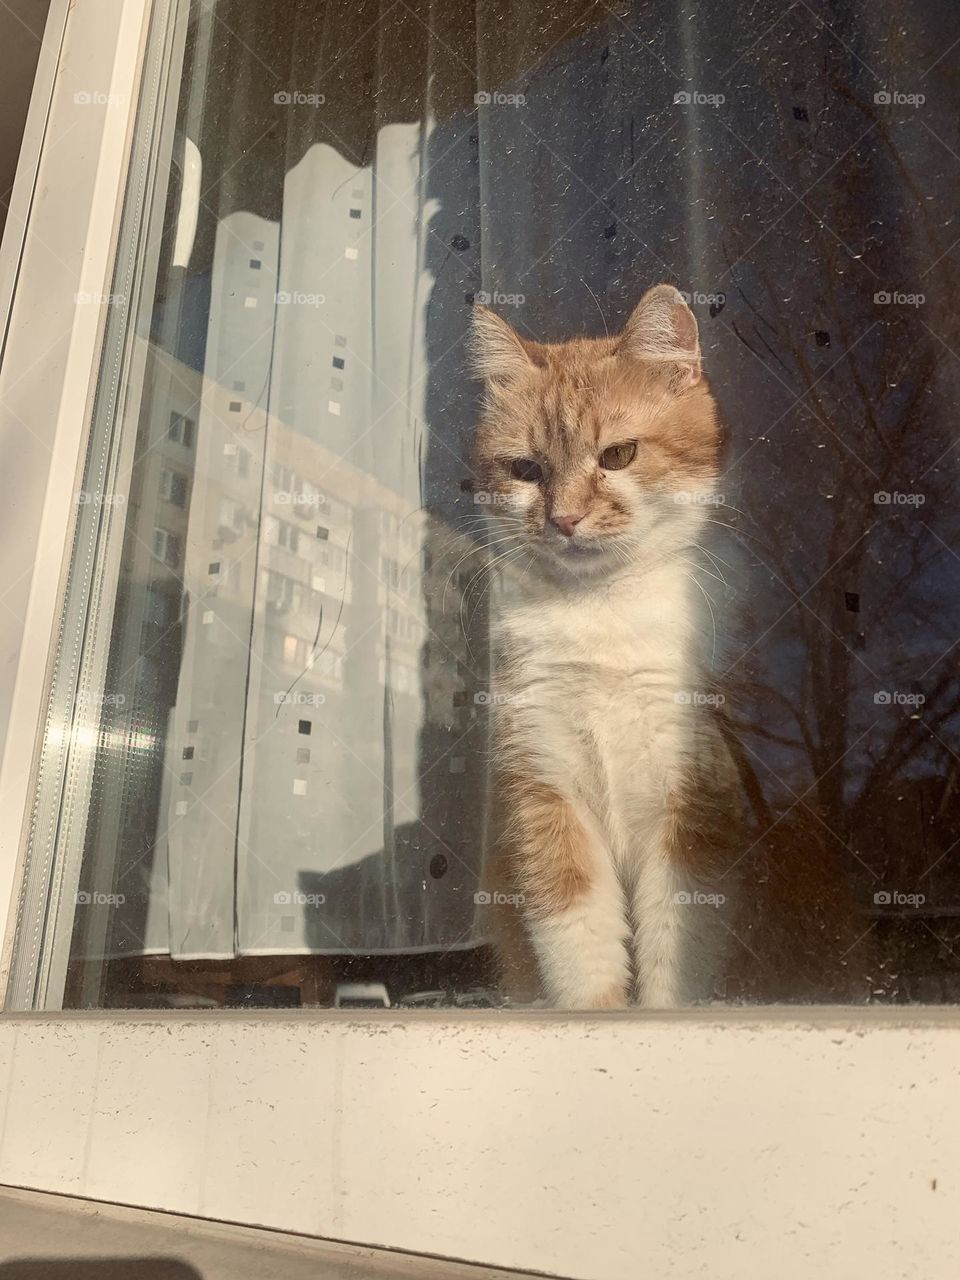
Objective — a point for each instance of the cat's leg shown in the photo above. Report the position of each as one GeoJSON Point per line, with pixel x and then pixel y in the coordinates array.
{"type": "Point", "coordinates": [504, 926]}
{"type": "Point", "coordinates": [681, 912]}
{"type": "Point", "coordinates": [572, 900]}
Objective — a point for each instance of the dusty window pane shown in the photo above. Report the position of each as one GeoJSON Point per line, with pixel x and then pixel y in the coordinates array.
{"type": "Point", "coordinates": [317, 570]}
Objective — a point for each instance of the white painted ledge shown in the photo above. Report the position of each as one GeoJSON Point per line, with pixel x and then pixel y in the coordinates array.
{"type": "Point", "coordinates": [727, 1144]}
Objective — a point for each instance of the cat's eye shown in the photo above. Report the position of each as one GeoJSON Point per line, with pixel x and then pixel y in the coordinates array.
{"type": "Point", "coordinates": [618, 456]}
{"type": "Point", "coordinates": [526, 469]}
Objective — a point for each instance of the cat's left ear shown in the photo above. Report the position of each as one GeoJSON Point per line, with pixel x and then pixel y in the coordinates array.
{"type": "Point", "coordinates": [663, 331]}
{"type": "Point", "coordinates": [497, 351]}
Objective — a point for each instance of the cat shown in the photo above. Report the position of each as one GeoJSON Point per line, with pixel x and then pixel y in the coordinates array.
{"type": "Point", "coordinates": [596, 461]}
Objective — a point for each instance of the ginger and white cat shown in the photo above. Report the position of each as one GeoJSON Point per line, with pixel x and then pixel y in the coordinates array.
{"type": "Point", "coordinates": [597, 459]}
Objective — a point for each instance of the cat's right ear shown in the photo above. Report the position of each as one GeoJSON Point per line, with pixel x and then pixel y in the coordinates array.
{"type": "Point", "coordinates": [497, 352]}
{"type": "Point", "coordinates": [663, 331]}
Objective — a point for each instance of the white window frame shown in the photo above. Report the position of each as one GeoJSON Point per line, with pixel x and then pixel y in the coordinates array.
{"type": "Point", "coordinates": [738, 1142]}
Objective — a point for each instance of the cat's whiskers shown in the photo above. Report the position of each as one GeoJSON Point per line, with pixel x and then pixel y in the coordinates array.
{"type": "Point", "coordinates": [728, 506]}
{"type": "Point", "coordinates": [715, 563]}
{"type": "Point", "coordinates": [482, 546]}
{"type": "Point", "coordinates": [700, 568]}
{"type": "Point", "coordinates": [713, 616]}
{"type": "Point", "coordinates": [474, 550]}
{"type": "Point", "coordinates": [484, 568]}
{"type": "Point", "coordinates": [533, 556]}
{"type": "Point", "coordinates": [713, 555]}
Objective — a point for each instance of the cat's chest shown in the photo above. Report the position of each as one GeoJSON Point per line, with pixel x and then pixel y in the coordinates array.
{"type": "Point", "coordinates": [598, 642]}
{"type": "Point", "coordinates": [598, 683]}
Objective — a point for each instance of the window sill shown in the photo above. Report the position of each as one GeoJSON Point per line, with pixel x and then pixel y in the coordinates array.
{"type": "Point", "coordinates": [519, 1140]}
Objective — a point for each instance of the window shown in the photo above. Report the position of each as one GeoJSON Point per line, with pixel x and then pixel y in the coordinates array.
{"type": "Point", "coordinates": [280, 465]}
{"type": "Point", "coordinates": [161, 607]}
{"type": "Point", "coordinates": [181, 430]}
{"type": "Point", "coordinates": [231, 516]}
{"type": "Point", "coordinates": [292, 650]}
{"type": "Point", "coordinates": [288, 536]}
{"type": "Point", "coordinates": [135, 677]}
{"type": "Point", "coordinates": [284, 593]}
{"type": "Point", "coordinates": [173, 487]}
{"type": "Point", "coordinates": [166, 547]}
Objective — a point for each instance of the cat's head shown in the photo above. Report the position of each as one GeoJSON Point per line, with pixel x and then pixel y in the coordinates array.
{"type": "Point", "coordinates": [597, 453]}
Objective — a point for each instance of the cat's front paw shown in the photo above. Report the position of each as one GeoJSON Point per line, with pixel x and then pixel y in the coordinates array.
{"type": "Point", "coordinates": [611, 997]}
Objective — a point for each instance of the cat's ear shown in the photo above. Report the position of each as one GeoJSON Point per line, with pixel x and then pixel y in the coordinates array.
{"type": "Point", "coordinates": [662, 330]}
{"type": "Point", "coordinates": [497, 352]}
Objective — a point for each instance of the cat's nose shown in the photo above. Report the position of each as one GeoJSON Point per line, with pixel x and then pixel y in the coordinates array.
{"type": "Point", "coordinates": [566, 524]}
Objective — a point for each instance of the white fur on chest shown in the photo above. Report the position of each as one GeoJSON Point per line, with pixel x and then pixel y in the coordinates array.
{"type": "Point", "coordinates": [597, 693]}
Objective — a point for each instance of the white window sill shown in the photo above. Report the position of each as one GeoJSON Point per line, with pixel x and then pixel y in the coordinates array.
{"type": "Point", "coordinates": [746, 1142]}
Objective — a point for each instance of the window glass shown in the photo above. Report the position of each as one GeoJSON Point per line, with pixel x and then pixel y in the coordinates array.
{"type": "Point", "coordinates": [304, 778]}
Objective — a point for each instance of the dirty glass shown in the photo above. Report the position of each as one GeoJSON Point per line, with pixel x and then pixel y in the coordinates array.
{"type": "Point", "coordinates": [291, 792]}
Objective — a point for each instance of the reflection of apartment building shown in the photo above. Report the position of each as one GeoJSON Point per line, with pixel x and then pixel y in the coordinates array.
{"type": "Point", "coordinates": [160, 501]}
{"type": "Point", "coordinates": [299, 651]}
{"type": "Point", "coordinates": [320, 673]}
